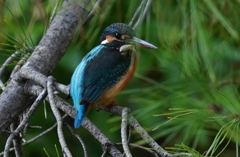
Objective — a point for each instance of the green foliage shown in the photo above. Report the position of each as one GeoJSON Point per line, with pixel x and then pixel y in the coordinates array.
{"type": "Point", "coordinates": [183, 148]}
{"type": "Point", "coordinates": [56, 149]}
{"type": "Point", "coordinates": [46, 152]}
{"type": "Point", "coordinates": [186, 92]}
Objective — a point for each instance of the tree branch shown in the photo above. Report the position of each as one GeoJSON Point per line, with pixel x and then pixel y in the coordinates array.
{"type": "Point", "coordinates": [116, 110]}
{"type": "Point", "coordinates": [125, 112]}
{"type": "Point", "coordinates": [5, 66]}
{"type": "Point", "coordinates": [79, 139]}
{"type": "Point", "coordinates": [142, 16]}
{"type": "Point", "coordinates": [136, 13]}
{"type": "Point", "coordinates": [87, 124]}
{"type": "Point", "coordinates": [58, 117]}
{"type": "Point", "coordinates": [51, 48]}
{"type": "Point", "coordinates": [17, 141]}
{"type": "Point", "coordinates": [36, 137]}
{"type": "Point", "coordinates": [141, 147]}
{"type": "Point", "coordinates": [24, 121]}
{"type": "Point", "coordinates": [18, 66]}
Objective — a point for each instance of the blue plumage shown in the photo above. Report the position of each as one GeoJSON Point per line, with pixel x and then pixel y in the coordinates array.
{"type": "Point", "coordinates": [98, 71]}
{"type": "Point", "coordinates": [105, 70]}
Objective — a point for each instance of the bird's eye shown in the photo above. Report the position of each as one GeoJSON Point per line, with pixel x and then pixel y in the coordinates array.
{"type": "Point", "coordinates": [118, 36]}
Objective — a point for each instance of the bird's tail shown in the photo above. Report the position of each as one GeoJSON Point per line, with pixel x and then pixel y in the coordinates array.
{"type": "Point", "coordinates": [81, 111]}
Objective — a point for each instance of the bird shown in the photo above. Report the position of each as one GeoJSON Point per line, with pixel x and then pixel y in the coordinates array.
{"type": "Point", "coordinates": [105, 70]}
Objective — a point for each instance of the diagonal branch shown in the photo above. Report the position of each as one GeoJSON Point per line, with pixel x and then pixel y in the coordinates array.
{"type": "Point", "coordinates": [5, 65]}
{"type": "Point", "coordinates": [141, 147]}
{"type": "Point", "coordinates": [14, 99]}
{"type": "Point", "coordinates": [24, 121]}
{"type": "Point", "coordinates": [136, 13]}
{"type": "Point", "coordinates": [17, 141]}
{"type": "Point", "coordinates": [79, 139]}
{"type": "Point", "coordinates": [116, 110]}
{"type": "Point", "coordinates": [142, 16]}
{"type": "Point", "coordinates": [87, 124]}
{"type": "Point", "coordinates": [94, 10]}
{"type": "Point", "coordinates": [36, 137]}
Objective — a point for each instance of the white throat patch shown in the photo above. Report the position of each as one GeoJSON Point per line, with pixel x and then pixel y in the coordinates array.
{"type": "Point", "coordinates": [126, 48]}
{"type": "Point", "coordinates": [104, 42]}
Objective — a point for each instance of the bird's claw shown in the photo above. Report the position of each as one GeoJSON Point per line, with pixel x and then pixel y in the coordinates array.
{"type": "Point", "coordinates": [111, 104]}
{"type": "Point", "coordinates": [97, 108]}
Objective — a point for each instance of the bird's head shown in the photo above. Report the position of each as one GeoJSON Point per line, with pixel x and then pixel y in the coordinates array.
{"type": "Point", "coordinates": [122, 36]}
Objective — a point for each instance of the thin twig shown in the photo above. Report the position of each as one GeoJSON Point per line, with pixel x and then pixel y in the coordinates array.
{"type": "Point", "coordinates": [117, 110]}
{"type": "Point", "coordinates": [152, 143]}
{"type": "Point", "coordinates": [102, 138]}
{"type": "Point", "coordinates": [125, 112]}
{"type": "Point", "coordinates": [58, 117]}
{"type": "Point", "coordinates": [27, 126]}
{"type": "Point", "coordinates": [141, 147]}
{"type": "Point", "coordinates": [54, 12]}
{"type": "Point", "coordinates": [4, 67]}
{"type": "Point", "coordinates": [134, 123]}
{"type": "Point", "coordinates": [43, 133]}
{"type": "Point", "coordinates": [18, 66]}
{"type": "Point", "coordinates": [23, 59]}
{"type": "Point", "coordinates": [129, 133]}
{"type": "Point", "coordinates": [136, 13]}
{"type": "Point", "coordinates": [104, 153]}
{"type": "Point", "coordinates": [79, 139]}
{"type": "Point", "coordinates": [35, 138]}
{"type": "Point", "coordinates": [94, 10]}
{"type": "Point", "coordinates": [144, 148]}
{"type": "Point", "coordinates": [24, 121]}
{"type": "Point", "coordinates": [61, 88]}
{"type": "Point", "coordinates": [88, 125]}
{"type": "Point", "coordinates": [17, 141]}
{"type": "Point", "coordinates": [8, 61]}
{"type": "Point", "coordinates": [142, 16]}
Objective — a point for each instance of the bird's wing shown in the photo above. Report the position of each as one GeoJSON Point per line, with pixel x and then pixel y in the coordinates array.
{"type": "Point", "coordinates": [99, 70]}
{"type": "Point", "coordinates": [103, 71]}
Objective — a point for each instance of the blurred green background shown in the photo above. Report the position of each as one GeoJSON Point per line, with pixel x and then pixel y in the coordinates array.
{"type": "Point", "coordinates": [185, 93]}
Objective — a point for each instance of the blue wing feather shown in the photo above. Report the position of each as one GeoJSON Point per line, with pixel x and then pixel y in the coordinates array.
{"type": "Point", "coordinates": [98, 71]}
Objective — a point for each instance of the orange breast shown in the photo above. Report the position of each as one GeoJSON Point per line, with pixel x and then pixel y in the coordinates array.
{"type": "Point", "coordinates": [112, 93]}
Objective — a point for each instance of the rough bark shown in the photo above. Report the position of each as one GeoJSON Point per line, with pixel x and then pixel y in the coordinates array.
{"type": "Point", "coordinates": [49, 51]}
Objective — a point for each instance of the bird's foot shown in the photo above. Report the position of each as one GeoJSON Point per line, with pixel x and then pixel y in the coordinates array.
{"type": "Point", "coordinates": [111, 104]}
{"type": "Point", "coordinates": [98, 108]}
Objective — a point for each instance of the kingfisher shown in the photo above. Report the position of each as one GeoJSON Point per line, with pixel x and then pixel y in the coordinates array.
{"type": "Point", "coordinates": [105, 70]}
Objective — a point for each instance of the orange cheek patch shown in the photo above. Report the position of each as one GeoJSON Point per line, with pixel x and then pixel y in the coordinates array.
{"type": "Point", "coordinates": [109, 38]}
